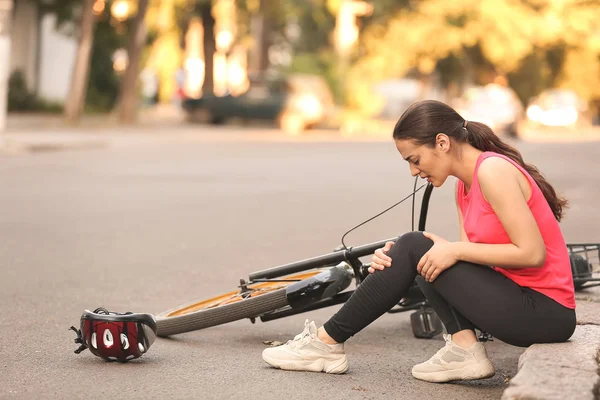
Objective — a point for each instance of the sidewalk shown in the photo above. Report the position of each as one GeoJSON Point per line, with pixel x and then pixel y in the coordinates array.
{"type": "Point", "coordinates": [30, 133]}
{"type": "Point", "coordinates": [48, 132]}
{"type": "Point", "coordinates": [564, 370]}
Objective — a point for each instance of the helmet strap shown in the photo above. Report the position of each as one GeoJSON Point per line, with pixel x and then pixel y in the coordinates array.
{"type": "Point", "coordinates": [79, 340]}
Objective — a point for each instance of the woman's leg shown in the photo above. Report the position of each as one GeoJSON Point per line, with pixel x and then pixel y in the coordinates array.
{"type": "Point", "coordinates": [377, 294]}
{"type": "Point", "coordinates": [478, 296]}
{"type": "Point", "coordinates": [461, 329]}
{"type": "Point", "coordinates": [469, 295]}
{"type": "Point", "coordinates": [380, 291]}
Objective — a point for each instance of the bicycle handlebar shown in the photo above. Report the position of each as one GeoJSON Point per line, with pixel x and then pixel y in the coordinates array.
{"type": "Point", "coordinates": [320, 261]}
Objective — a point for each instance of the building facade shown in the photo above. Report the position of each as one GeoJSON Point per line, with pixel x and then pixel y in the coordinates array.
{"type": "Point", "coordinates": [42, 51]}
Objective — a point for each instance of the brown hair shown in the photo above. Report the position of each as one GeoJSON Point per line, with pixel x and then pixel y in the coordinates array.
{"type": "Point", "coordinates": [422, 121]}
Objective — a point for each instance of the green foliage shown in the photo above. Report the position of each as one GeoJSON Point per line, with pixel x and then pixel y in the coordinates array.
{"type": "Point", "coordinates": [536, 43]}
{"type": "Point", "coordinates": [323, 64]}
{"type": "Point", "coordinates": [20, 99]}
{"type": "Point", "coordinates": [313, 53]}
{"type": "Point", "coordinates": [63, 9]}
{"type": "Point", "coordinates": [538, 71]}
{"type": "Point", "coordinates": [317, 25]}
{"type": "Point", "coordinates": [103, 84]}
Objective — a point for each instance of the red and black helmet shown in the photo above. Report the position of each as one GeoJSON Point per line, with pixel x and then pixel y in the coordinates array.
{"type": "Point", "coordinates": [114, 336]}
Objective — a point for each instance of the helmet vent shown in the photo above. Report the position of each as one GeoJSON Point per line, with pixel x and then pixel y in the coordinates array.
{"type": "Point", "coordinates": [108, 338]}
{"type": "Point", "coordinates": [124, 341]}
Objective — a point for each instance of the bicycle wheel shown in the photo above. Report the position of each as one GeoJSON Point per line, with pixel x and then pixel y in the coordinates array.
{"type": "Point", "coordinates": [228, 307]}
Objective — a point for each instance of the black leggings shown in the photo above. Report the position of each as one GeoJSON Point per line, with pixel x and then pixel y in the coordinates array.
{"type": "Point", "coordinates": [465, 296]}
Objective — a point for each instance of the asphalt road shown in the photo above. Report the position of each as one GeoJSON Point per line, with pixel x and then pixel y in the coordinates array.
{"type": "Point", "coordinates": [155, 223]}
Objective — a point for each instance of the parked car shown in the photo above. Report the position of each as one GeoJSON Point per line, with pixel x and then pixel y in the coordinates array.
{"type": "Point", "coordinates": [295, 103]}
{"type": "Point", "coordinates": [496, 106]}
{"type": "Point", "coordinates": [557, 108]}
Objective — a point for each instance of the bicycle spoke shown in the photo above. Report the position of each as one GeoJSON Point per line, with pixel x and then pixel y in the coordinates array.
{"type": "Point", "coordinates": [244, 295]}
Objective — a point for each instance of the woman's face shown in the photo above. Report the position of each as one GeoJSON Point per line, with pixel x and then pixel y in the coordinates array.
{"type": "Point", "coordinates": [429, 163]}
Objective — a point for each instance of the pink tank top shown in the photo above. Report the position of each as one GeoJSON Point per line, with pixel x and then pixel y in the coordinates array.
{"type": "Point", "coordinates": [554, 278]}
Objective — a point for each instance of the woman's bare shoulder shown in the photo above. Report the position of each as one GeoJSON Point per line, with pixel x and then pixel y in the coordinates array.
{"type": "Point", "coordinates": [493, 168]}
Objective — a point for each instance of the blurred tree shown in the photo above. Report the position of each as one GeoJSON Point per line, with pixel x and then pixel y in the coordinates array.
{"type": "Point", "coordinates": [204, 8]}
{"type": "Point", "coordinates": [64, 10]}
{"type": "Point", "coordinates": [311, 41]}
{"type": "Point", "coordinates": [103, 85]}
{"type": "Point", "coordinates": [5, 34]}
{"type": "Point", "coordinates": [137, 39]}
{"type": "Point", "coordinates": [475, 40]}
{"type": "Point", "coordinates": [167, 21]}
{"type": "Point", "coordinates": [538, 71]}
{"type": "Point", "coordinates": [314, 50]}
{"type": "Point", "coordinates": [79, 82]}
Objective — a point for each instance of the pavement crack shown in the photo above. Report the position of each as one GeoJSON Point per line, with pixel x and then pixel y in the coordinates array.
{"type": "Point", "coordinates": [596, 389]}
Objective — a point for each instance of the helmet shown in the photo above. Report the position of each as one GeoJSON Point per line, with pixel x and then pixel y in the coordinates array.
{"type": "Point", "coordinates": [114, 336]}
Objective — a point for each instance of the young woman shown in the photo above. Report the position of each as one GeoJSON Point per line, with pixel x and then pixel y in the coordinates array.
{"type": "Point", "coordinates": [509, 275]}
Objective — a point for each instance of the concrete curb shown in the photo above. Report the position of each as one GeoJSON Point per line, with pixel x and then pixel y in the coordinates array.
{"type": "Point", "coordinates": [563, 370]}
{"type": "Point", "coordinates": [560, 370]}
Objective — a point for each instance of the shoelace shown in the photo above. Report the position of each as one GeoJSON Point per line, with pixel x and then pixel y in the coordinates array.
{"type": "Point", "coordinates": [300, 339]}
{"type": "Point", "coordinates": [440, 352]}
{"type": "Point", "coordinates": [447, 338]}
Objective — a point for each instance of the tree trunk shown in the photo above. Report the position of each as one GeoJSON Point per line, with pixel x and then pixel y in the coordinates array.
{"type": "Point", "coordinates": [128, 92]}
{"type": "Point", "coordinates": [260, 29]}
{"type": "Point", "coordinates": [79, 81]}
{"type": "Point", "coordinates": [5, 22]}
{"type": "Point", "coordinates": [256, 30]}
{"type": "Point", "coordinates": [265, 38]}
{"type": "Point", "coordinates": [208, 22]}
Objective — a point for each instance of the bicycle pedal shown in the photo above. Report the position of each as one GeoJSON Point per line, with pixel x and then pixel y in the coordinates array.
{"type": "Point", "coordinates": [425, 323]}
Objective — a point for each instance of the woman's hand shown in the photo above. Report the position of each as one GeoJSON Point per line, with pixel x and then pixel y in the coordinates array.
{"type": "Point", "coordinates": [438, 259]}
{"type": "Point", "coordinates": [380, 259]}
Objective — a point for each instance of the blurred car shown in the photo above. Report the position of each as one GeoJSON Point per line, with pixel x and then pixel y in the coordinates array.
{"type": "Point", "coordinates": [399, 94]}
{"type": "Point", "coordinates": [557, 108]}
{"type": "Point", "coordinates": [296, 103]}
{"type": "Point", "coordinates": [496, 106]}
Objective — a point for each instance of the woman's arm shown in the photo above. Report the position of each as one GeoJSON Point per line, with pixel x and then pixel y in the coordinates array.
{"type": "Point", "coordinates": [499, 183]}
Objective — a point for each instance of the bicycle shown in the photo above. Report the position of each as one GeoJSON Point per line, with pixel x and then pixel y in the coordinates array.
{"type": "Point", "coordinates": [320, 282]}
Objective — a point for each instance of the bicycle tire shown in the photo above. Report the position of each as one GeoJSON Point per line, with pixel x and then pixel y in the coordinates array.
{"type": "Point", "coordinates": [192, 316]}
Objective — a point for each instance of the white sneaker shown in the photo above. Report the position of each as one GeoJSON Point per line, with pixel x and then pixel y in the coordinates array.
{"type": "Point", "coordinates": [308, 353]}
{"type": "Point", "coordinates": [453, 363]}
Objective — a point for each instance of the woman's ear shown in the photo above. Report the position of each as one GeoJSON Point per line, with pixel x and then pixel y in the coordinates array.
{"type": "Point", "coordinates": [442, 142]}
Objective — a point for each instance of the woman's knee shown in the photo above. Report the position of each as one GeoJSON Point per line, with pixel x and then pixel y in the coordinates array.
{"type": "Point", "coordinates": [413, 244]}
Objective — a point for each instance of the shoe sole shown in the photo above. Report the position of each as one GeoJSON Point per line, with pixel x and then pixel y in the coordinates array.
{"type": "Point", "coordinates": [339, 366]}
{"type": "Point", "coordinates": [481, 370]}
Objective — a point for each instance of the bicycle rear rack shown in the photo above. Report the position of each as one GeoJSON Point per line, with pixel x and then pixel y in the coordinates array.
{"type": "Point", "coordinates": [585, 264]}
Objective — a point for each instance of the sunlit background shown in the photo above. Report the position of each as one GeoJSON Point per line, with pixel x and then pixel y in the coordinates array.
{"type": "Point", "coordinates": [307, 63]}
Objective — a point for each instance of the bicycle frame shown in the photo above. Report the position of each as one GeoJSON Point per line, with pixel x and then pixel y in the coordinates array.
{"type": "Point", "coordinates": [351, 255]}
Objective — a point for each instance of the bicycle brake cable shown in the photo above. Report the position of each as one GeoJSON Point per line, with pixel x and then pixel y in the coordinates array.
{"type": "Point", "coordinates": [386, 210]}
